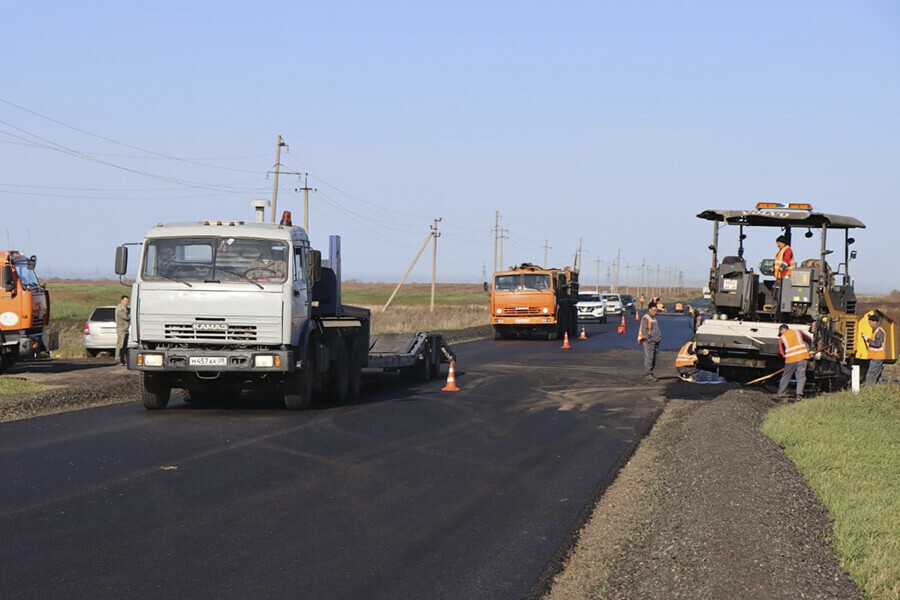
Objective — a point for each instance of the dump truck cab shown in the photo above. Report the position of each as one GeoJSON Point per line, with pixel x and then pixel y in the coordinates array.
{"type": "Point", "coordinates": [529, 299]}
{"type": "Point", "coordinates": [24, 309]}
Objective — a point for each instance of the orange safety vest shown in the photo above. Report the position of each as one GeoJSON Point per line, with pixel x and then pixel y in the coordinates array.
{"type": "Point", "coordinates": [784, 268]}
{"type": "Point", "coordinates": [649, 327]}
{"type": "Point", "coordinates": [878, 353]}
{"type": "Point", "coordinates": [794, 347]}
{"type": "Point", "coordinates": [685, 359]}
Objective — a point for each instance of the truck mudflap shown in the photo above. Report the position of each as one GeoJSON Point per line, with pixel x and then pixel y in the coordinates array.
{"type": "Point", "coordinates": [187, 360]}
{"type": "Point", "coordinates": [396, 350]}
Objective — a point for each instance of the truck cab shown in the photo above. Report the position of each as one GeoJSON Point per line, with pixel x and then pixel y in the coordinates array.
{"type": "Point", "coordinates": [220, 306]}
{"type": "Point", "coordinates": [24, 309]}
{"type": "Point", "coordinates": [528, 299]}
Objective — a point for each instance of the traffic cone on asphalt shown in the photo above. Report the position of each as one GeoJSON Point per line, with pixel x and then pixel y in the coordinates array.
{"type": "Point", "coordinates": [451, 380]}
{"type": "Point", "coordinates": [637, 317]}
{"type": "Point", "coordinates": [583, 336]}
{"type": "Point", "coordinates": [621, 327]}
{"type": "Point", "coordinates": [566, 345]}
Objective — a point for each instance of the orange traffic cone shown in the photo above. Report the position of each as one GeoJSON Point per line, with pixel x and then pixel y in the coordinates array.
{"type": "Point", "coordinates": [566, 345]}
{"type": "Point", "coordinates": [583, 335]}
{"type": "Point", "coordinates": [637, 317]}
{"type": "Point", "coordinates": [451, 380]}
{"type": "Point", "coordinates": [621, 327]}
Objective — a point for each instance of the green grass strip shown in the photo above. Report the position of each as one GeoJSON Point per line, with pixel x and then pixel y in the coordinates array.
{"type": "Point", "coordinates": [848, 448]}
{"type": "Point", "coordinates": [10, 386]}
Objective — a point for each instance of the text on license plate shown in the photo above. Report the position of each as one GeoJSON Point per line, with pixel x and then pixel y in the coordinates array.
{"type": "Point", "coordinates": [207, 361]}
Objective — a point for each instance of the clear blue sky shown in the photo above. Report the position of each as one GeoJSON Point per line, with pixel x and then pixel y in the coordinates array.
{"type": "Point", "coordinates": [613, 122]}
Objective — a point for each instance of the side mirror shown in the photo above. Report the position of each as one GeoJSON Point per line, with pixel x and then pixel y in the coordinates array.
{"type": "Point", "coordinates": [121, 260]}
{"type": "Point", "coordinates": [853, 254]}
{"type": "Point", "coordinates": [485, 286]}
{"type": "Point", "coordinates": [9, 283]}
{"type": "Point", "coordinates": [31, 263]}
{"type": "Point", "coordinates": [314, 265]}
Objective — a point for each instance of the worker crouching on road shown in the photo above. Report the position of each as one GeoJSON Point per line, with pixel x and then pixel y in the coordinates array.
{"type": "Point", "coordinates": [686, 362]}
{"type": "Point", "coordinates": [876, 348]}
{"type": "Point", "coordinates": [649, 336]}
{"type": "Point", "coordinates": [792, 346]}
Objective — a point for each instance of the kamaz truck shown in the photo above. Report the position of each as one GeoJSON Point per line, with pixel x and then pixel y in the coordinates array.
{"type": "Point", "coordinates": [223, 306]}
{"type": "Point", "coordinates": [739, 338]}
{"type": "Point", "coordinates": [529, 300]}
{"type": "Point", "coordinates": [24, 310]}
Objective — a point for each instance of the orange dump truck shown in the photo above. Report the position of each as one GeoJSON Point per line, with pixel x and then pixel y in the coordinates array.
{"type": "Point", "coordinates": [529, 299]}
{"type": "Point", "coordinates": [24, 310]}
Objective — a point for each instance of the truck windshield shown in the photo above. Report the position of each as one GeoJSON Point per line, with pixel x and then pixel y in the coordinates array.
{"type": "Point", "coordinates": [27, 277]}
{"type": "Point", "coordinates": [216, 259]}
{"type": "Point", "coordinates": [525, 281]}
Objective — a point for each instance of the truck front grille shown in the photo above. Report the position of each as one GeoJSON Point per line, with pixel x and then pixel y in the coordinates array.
{"type": "Point", "coordinates": [521, 311]}
{"type": "Point", "coordinates": [187, 332]}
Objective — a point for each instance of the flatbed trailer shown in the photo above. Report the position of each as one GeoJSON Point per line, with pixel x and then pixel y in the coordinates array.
{"type": "Point", "coordinates": [419, 355]}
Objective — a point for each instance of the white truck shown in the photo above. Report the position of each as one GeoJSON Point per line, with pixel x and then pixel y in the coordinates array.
{"type": "Point", "coordinates": [221, 306]}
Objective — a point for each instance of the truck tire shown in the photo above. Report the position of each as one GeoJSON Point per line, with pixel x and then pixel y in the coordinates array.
{"type": "Point", "coordinates": [155, 391]}
{"type": "Point", "coordinates": [339, 375]}
{"type": "Point", "coordinates": [355, 381]}
{"type": "Point", "coordinates": [298, 385]}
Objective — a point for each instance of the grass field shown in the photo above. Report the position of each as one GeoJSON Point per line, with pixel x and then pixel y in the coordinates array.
{"type": "Point", "coordinates": [848, 448]}
{"type": "Point", "coordinates": [11, 386]}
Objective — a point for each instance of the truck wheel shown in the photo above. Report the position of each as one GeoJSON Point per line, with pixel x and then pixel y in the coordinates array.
{"type": "Point", "coordinates": [298, 385]}
{"type": "Point", "coordinates": [339, 385]}
{"type": "Point", "coordinates": [355, 380]}
{"type": "Point", "coordinates": [155, 391]}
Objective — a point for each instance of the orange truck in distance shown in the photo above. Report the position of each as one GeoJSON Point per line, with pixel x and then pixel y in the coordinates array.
{"type": "Point", "coordinates": [24, 310]}
{"type": "Point", "coordinates": [529, 300]}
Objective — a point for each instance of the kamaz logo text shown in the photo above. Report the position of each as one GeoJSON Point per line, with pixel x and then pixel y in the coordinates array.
{"type": "Point", "coordinates": [210, 326]}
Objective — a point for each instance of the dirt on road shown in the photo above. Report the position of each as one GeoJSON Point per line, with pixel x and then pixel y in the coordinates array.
{"type": "Point", "coordinates": [707, 508]}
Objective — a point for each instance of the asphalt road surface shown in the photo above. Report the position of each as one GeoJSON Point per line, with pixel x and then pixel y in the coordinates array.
{"type": "Point", "coordinates": [409, 493]}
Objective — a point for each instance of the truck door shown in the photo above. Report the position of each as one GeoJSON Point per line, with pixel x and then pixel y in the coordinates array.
{"type": "Point", "coordinates": [301, 288]}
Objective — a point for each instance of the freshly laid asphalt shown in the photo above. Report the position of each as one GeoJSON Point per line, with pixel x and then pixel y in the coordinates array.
{"type": "Point", "coordinates": [411, 492]}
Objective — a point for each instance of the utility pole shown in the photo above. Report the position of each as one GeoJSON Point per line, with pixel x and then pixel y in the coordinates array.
{"type": "Point", "coordinates": [599, 262]}
{"type": "Point", "coordinates": [431, 234]}
{"type": "Point", "coordinates": [277, 169]}
{"type": "Point", "coordinates": [627, 278]}
{"type": "Point", "coordinates": [434, 236]}
{"type": "Point", "coordinates": [496, 233]}
{"type": "Point", "coordinates": [546, 247]}
{"type": "Point", "coordinates": [305, 189]}
{"type": "Point", "coordinates": [504, 234]}
{"type": "Point", "coordinates": [578, 255]}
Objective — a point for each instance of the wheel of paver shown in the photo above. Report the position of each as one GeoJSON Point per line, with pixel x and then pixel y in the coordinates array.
{"type": "Point", "coordinates": [339, 386]}
{"type": "Point", "coordinates": [298, 385]}
{"type": "Point", "coordinates": [155, 391]}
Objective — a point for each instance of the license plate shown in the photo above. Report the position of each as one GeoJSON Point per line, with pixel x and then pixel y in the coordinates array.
{"type": "Point", "coordinates": [729, 284]}
{"type": "Point", "coordinates": [208, 361]}
{"type": "Point", "coordinates": [522, 321]}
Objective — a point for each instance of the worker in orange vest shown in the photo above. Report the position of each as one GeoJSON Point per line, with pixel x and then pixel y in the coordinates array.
{"type": "Point", "coordinates": [649, 336]}
{"type": "Point", "coordinates": [686, 361]}
{"type": "Point", "coordinates": [875, 346]}
{"type": "Point", "coordinates": [792, 346]}
{"type": "Point", "coordinates": [784, 258]}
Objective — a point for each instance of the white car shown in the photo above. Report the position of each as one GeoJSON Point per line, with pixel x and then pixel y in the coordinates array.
{"type": "Point", "coordinates": [99, 334]}
{"type": "Point", "coordinates": [591, 307]}
{"type": "Point", "coordinates": [614, 304]}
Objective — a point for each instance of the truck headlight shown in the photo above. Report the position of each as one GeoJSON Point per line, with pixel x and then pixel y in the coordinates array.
{"type": "Point", "coordinates": [264, 361]}
{"type": "Point", "coordinates": [151, 360]}
{"type": "Point", "coordinates": [546, 310]}
{"type": "Point", "coordinates": [499, 311]}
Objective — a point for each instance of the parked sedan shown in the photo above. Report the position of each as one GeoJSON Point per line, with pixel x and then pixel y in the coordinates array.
{"type": "Point", "coordinates": [591, 307]}
{"type": "Point", "coordinates": [628, 303]}
{"type": "Point", "coordinates": [99, 333]}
